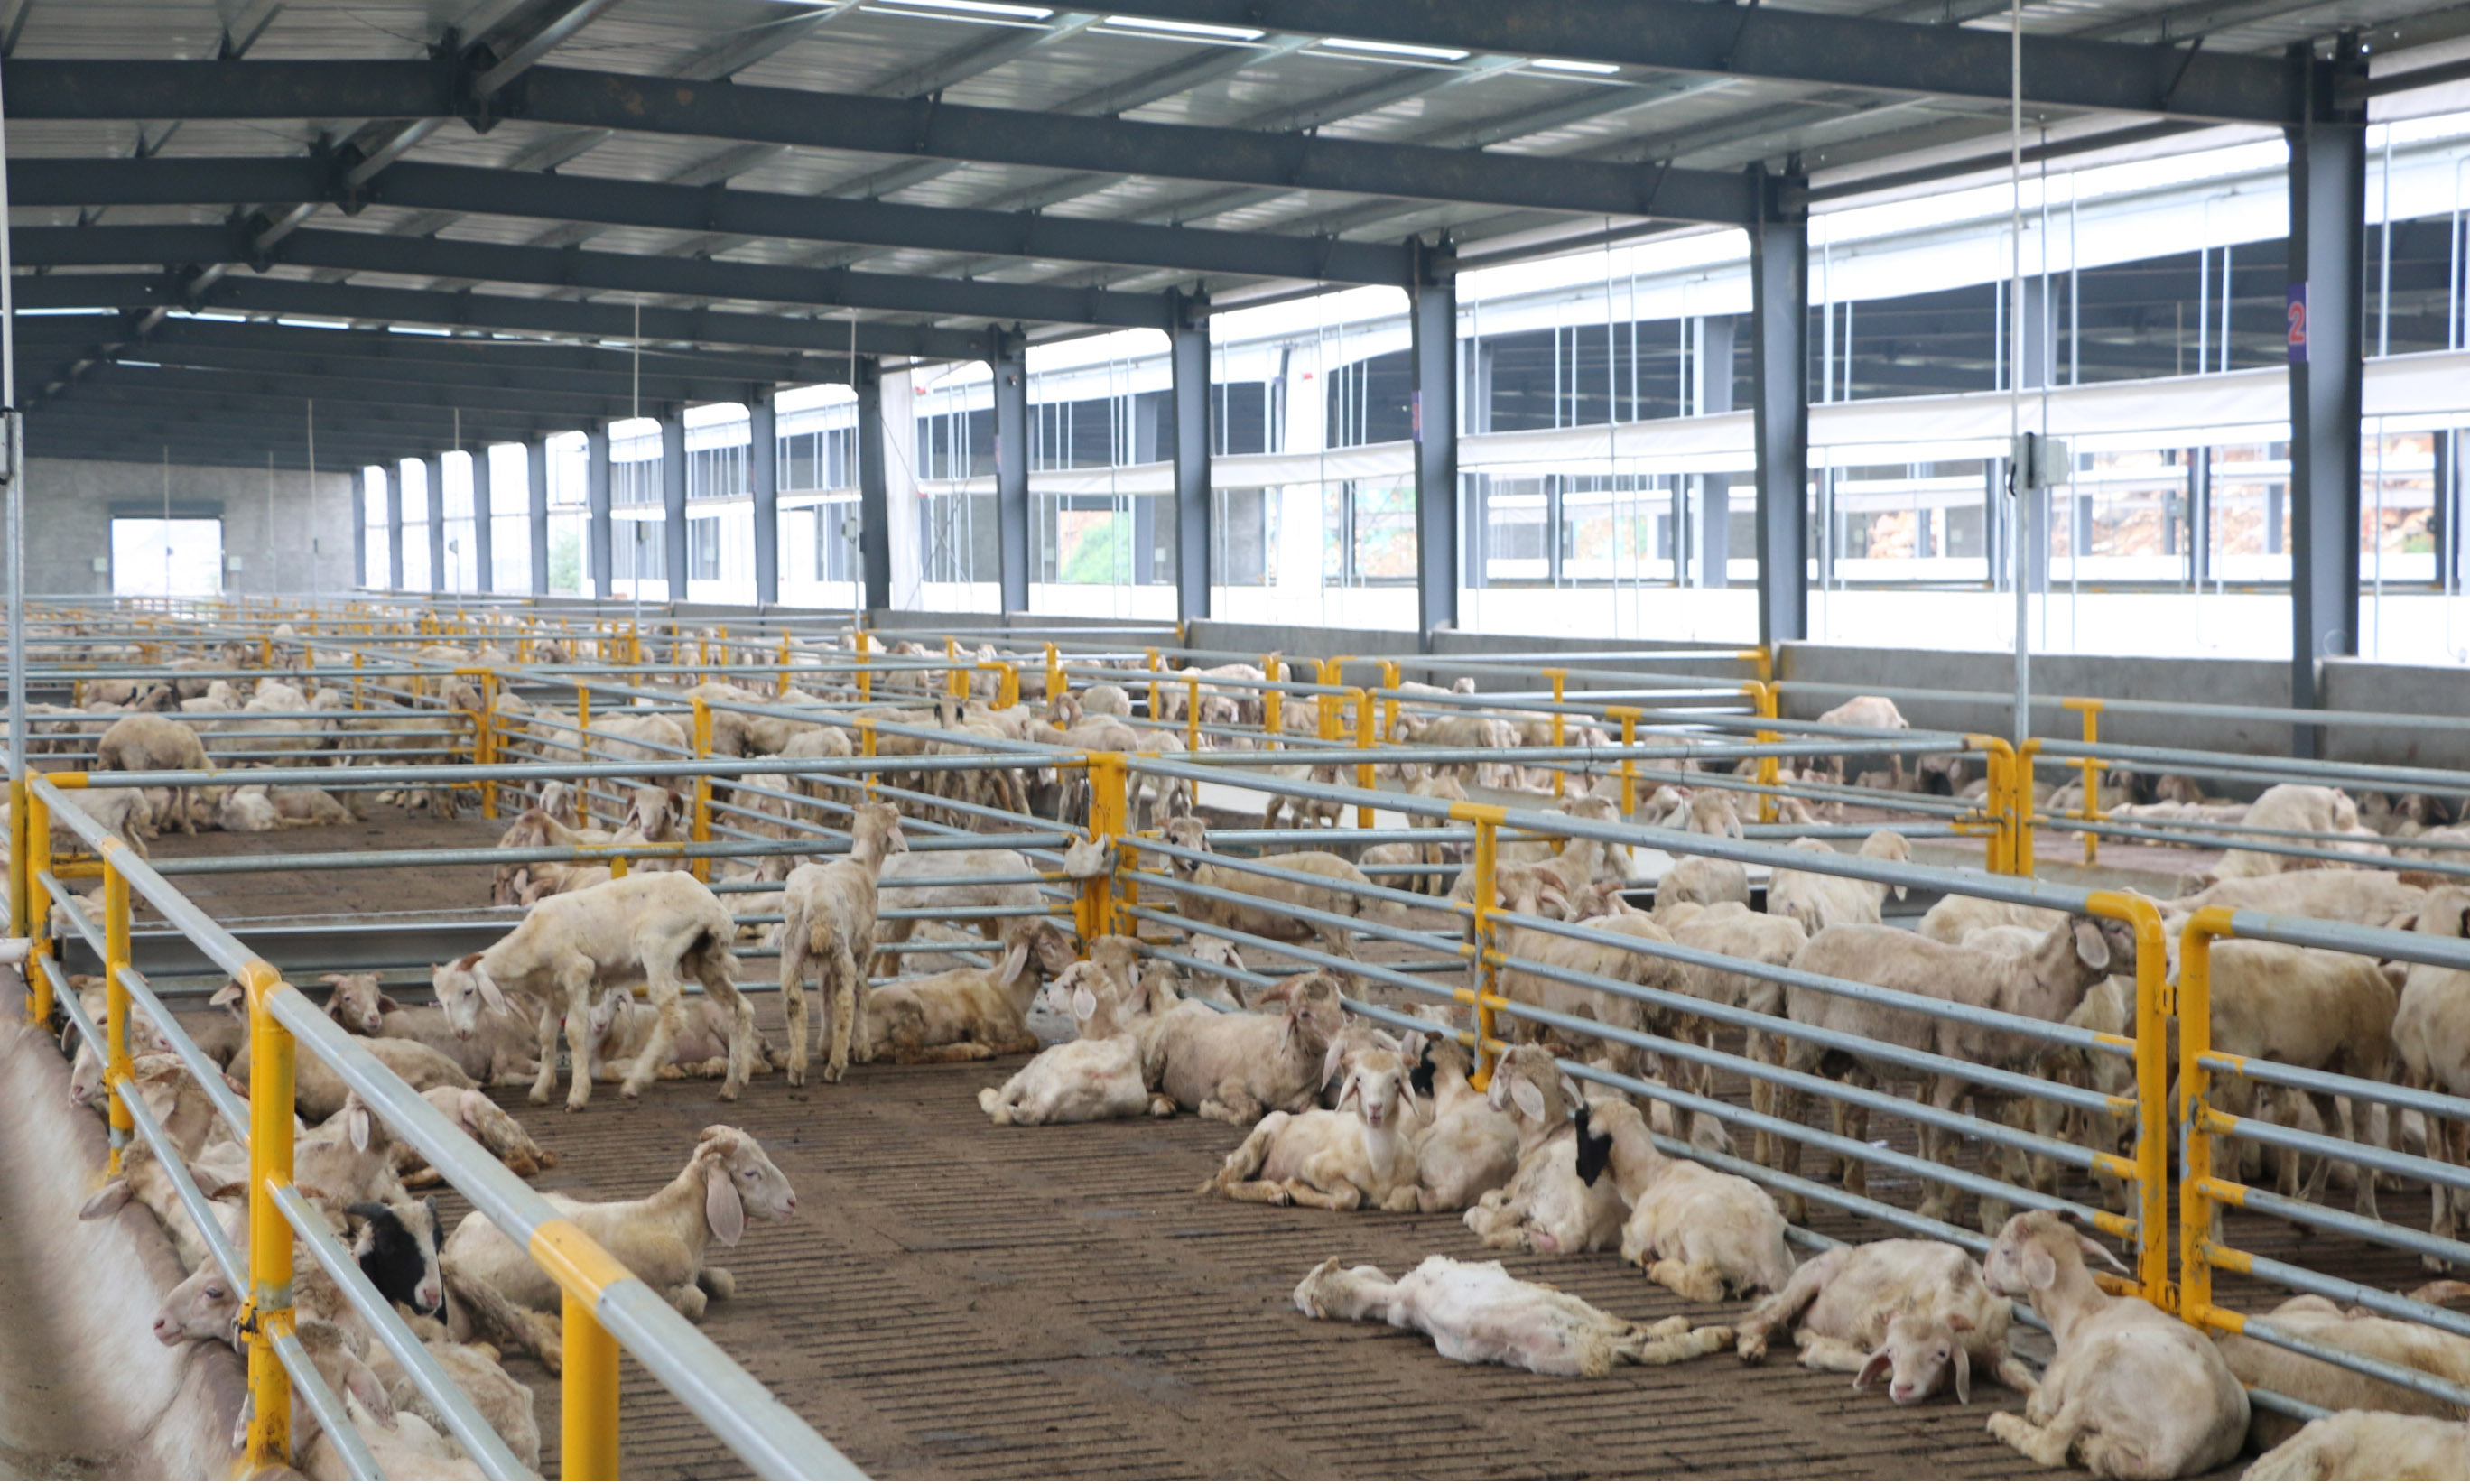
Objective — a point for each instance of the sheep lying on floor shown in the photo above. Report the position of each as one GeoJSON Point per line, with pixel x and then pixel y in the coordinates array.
{"type": "Point", "coordinates": [1477, 1312]}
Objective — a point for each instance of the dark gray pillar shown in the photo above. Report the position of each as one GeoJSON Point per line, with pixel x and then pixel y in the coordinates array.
{"type": "Point", "coordinates": [392, 475]}
{"type": "Point", "coordinates": [2199, 514]}
{"type": "Point", "coordinates": [2328, 172]}
{"type": "Point", "coordinates": [483, 539]}
{"type": "Point", "coordinates": [873, 501]}
{"type": "Point", "coordinates": [673, 501]}
{"type": "Point", "coordinates": [596, 504]}
{"type": "Point", "coordinates": [1195, 520]}
{"type": "Point", "coordinates": [536, 507]}
{"type": "Point", "coordinates": [435, 465]}
{"type": "Point", "coordinates": [763, 480]}
{"type": "Point", "coordinates": [360, 532]}
{"type": "Point", "coordinates": [1010, 371]}
{"type": "Point", "coordinates": [1433, 315]}
{"type": "Point", "coordinates": [1715, 341]}
{"type": "Point", "coordinates": [2447, 518]}
{"type": "Point", "coordinates": [1780, 365]}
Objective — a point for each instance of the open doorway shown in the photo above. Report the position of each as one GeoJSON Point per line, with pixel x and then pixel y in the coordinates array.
{"type": "Point", "coordinates": [152, 557]}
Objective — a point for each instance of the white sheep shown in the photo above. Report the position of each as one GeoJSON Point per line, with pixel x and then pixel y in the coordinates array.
{"type": "Point", "coordinates": [2358, 1331]}
{"type": "Point", "coordinates": [968, 1014]}
{"type": "Point", "coordinates": [1701, 879]}
{"type": "Point", "coordinates": [1334, 1160]}
{"type": "Point", "coordinates": [1237, 1067]}
{"type": "Point", "coordinates": [2431, 1036]}
{"type": "Point", "coordinates": [1732, 929]}
{"type": "Point", "coordinates": [1263, 916]}
{"type": "Point", "coordinates": [1911, 1312]}
{"type": "Point", "coordinates": [1817, 900]}
{"type": "Point", "coordinates": [497, 1051]}
{"type": "Point", "coordinates": [1096, 1076]}
{"type": "Point", "coordinates": [1877, 713]}
{"type": "Point", "coordinates": [621, 1032]}
{"type": "Point", "coordinates": [921, 881]}
{"type": "Point", "coordinates": [1955, 918]}
{"type": "Point", "coordinates": [1544, 1207]}
{"type": "Point", "coordinates": [145, 742]}
{"type": "Point", "coordinates": [661, 1238]}
{"type": "Point", "coordinates": [2308, 807]}
{"type": "Point", "coordinates": [2371, 899]}
{"type": "Point", "coordinates": [2132, 1392]}
{"type": "Point", "coordinates": [1696, 1231]}
{"type": "Point", "coordinates": [1477, 1312]}
{"type": "Point", "coordinates": [1469, 1147]}
{"type": "Point", "coordinates": [2369, 1445]}
{"type": "Point", "coordinates": [828, 920]}
{"type": "Point", "coordinates": [2303, 1006]}
{"type": "Point", "coordinates": [655, 929]}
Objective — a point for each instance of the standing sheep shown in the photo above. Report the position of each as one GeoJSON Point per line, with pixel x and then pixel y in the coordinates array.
{"type": "Point", "coordinates": [656, 929]}
{"type": "Point", "coordinates": [145, 742]}
{"type": "Point", "coordinates": [2431, 1036]}
{"type": "Point", "coordinates": [828, 917]}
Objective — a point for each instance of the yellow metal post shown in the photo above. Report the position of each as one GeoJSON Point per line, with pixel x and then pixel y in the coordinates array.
{"type": "Point", "coordinates": [2019, 798]}
{"type": "Point", "coordinates": [356, 704]}
{"type": "Point", "coordinates": [117, 1069]}
{"type": "Point", "coordinates": [38, 856]}
{"type": "Point", "coordinates": [865, 749]}
{"type": "Point", "coordinates": [19, 863]}
{"type": "Point", "coordinates": [1008, 689]}
{"type": "Point", "coordinates": [1192, 714]}
{"type": "Point", "coordinates": [782, 688]}
{"type": "Point", "coordinates": [1486, 974]}
{"type": "Point", "coordinates": [1054, 672]}
{"type": "Point", "coordinates": [588, 1427]}
{"type": "Point", "coordinates": [2195, 1010]}
{"type": "Point", "coordinates": [1628, 715]}
{"type": "Point", "coordinates": [865, 671]}
{"type": "Point", "coordinates": [1154, 713]}
{"type": "Point", "coordinates": [701, 829]}
{"type": "Point", "coordinates": [2154, 1006]}
{"type": "Point", "coordinates": [1560, 680]}
{"type": "Point", "coordinates": [2091, 810]}
{"type": "Point", "coordinates": [268, 1315]}
{"type": "Point", "coordinates": [1107, 815]}
{"type": "Point", "coordinates": [1274, 702]}
{"type": "Point", "coordinates": [1390, 702]}
{"type": "Point", "coordinates": [1998, 807]}
{"type": "Point", "coordinates": [1366, 739]}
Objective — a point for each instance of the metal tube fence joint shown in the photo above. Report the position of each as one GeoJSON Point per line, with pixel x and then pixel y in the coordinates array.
{"type": "Point", "coordinates": [1998, 806]}
{"type": "Point", "coordinates": [269, 1236]}
{"type": "Point", "coordinates": [2151, 1182]}
{"type": "Point", "coordinates": [1008, 689]}
{"type": "Point", "coordinates": [117, 1070]}
{"type": "Point", "coordinates": [2196, 1183]}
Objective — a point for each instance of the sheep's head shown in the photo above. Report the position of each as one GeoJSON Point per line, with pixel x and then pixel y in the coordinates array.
{"type": "Point", "coordinates": [1527, 1078]}
{"type": "Point", "coordinates": [739, 1176]}
{"type": "Point", "coordinates": [1919, 1351]}
{"type": "Point", "coordinates": [464, 988]}
{"type": "Point", "coordinates": [205, 1306]}
{"type": "Point", "coordinates": [1052, 944]}
{"type": "Point", "coordinates": [358, 1003]}
{"type": "Point", "coordinates": [1083, 859]}
{"type": "Point", "coordinates": [879, 821]}
{"type": "Point", "coordinates": [1378, 1085]}
{"type": "Point", "coordinates": [1075, 990]}
{"type": "Point", "coordinates": [1314, 1013]}
{"type": "Point", "coordinates": [396, 1246]}
{"type": "Point", "coordinates": [2032, 1249]}
{"type": "Point", "coordinates": [2102, 945]}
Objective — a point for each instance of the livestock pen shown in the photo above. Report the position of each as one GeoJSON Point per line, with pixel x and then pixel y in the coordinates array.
{"type": "Point", "coordinates": [960, 1298]}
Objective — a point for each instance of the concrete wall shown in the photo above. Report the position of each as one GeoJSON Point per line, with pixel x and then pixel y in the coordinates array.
{"type": "Point", "coordinates": [294, 543]}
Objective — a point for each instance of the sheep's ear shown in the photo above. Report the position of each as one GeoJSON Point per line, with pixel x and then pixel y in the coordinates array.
{"type": "Point", "coordinates": [1348, 1088]}
{"type": "Point", "coordinates": [358, 1124]}
{"type": "Point", "coordinates": [1330, 1061]}
{"type": "Point", "coordinates": [1961, 1359]}
{"type": "Point", "coordinates": [721, 1207]}
{"type": "Point", "coordinates": [2094, 1249]}
{"type": "Point", "coordinates": [471, 1110]}
{"type": "Point", "coordinates": [490, 994]}
{"type": "Point", "coordinates": [228, 994]}
{"type": "Point", "coordinates": [1528, 1097]}
{"type": "Point", "coordinates": [2090, 946]}
{"type": "Point", "coordinates": [387, 1005]}
{"type": "Point", "coordinates": [2040, 1270]}
{"type": "Point", "coordinates": [1874, 1370]}
{"type": "Point", "coordinates": [330, 979]}
{"type": "Point", "coordinates": [1013, 962]}
{"type": "Point", "coordinates": [368, 1391]}
{"type": "Point", "coordinates": [1959, 1323]}
{"type": "Point", "coordinates": [1084, 1005]}
{"type": "Point", "coordinates": [105, 1201]}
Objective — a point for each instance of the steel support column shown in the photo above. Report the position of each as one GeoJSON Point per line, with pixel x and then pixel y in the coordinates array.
{"type": "Point", "coordinates": [393, 477]}
{"type": "Point", "coordinates": [1010, 371]}
{"type": "Point", "coordinates": [595, 503]}
{"type": "Point", "coordinates": [673, 504]}
{"type": "Point", "coordinates": [874, 502]}
{"type": "Point", "coordinates": [763, 483]}
{"type": "Point", "coordinates": [2328, 175]}
{"type": "Point", "coordinates": [434, 470]}
{"type": "Point", "coordinates": [360, 532]}
{"type": "Point", "coordinates": [1780, 367]}
{"type": "Point", "coordinates": [1195, 523]}
{"type": "Point", "coordinates": [483, 538]}
{"type": "Point", "coordinates": [536, 509]}
{"type": "Point", "coordinates": [1433, 315]}
{"type": "Point", "coordinates": [1716, 335]}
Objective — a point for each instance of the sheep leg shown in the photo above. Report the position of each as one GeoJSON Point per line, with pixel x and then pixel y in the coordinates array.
{"type": "Point", "coordinates": [1826, 1353]}
{"type": "Point", "coordinates": [793, 998]}
{"type": "Point", "coordinates": [581, 1047]}
{"type": "Point", "coordinates": [669, 1018]}
{"type": "Point", "coordinates": [1700, 1283]}
{"type": "Point", "coordinates": [887, 936]}
{"type": "Point", "coordinates": [723, 992]}
{"type": "Point", "coordinates": [1342, 1196]}
{"type": "Point", "coordinates": [717, 1282]}
{"type": "Point", "coordinates": [1779, 1308]}
{"type": "Point", "coordinates": [1233, 1104]}
{"type": "Point", "coordinates": [687, 1299]}
{"type": "Point", "coordinates": [849, 1004]}
{"type": "Point", "coordinates": [2047, 1445]}
{"type": "Point", "coordinates": [545, 1080]}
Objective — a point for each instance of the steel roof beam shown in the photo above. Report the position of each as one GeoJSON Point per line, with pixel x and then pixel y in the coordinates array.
{"type": "Point", "coordinates": [926, 128]}
{"type": "Point", "coordinates": [547, 389]}
{"type": "Point", "coordinates": [1795, 46]}
{"type": "Point", "coordinates": [695, 327]}
{"type": "Point", "coordinates": [594, 365]}
{"type": "Point", "coordinates": [621, 272]}
{"type": "Point", "coordinates": [139, 369]}
{"type": "Point", "coordinates": [758, 214]}
{"type": "Point", "coordinates": [140, 409]}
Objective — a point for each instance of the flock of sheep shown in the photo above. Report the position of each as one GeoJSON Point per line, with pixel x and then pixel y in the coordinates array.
{"type": "Point", "coordinates": [1343, 1114]}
